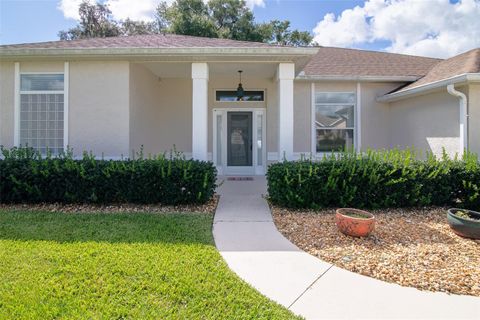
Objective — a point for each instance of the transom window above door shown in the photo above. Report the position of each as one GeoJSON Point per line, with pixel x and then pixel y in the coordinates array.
{"type": "Point", "coordinates": [334, 121]}
{"type": "Point", "coordinates": [231, 95]}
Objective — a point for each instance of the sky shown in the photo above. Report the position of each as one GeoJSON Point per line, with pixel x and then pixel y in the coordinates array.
{"type": "Point", "coordinates": [436, 28]}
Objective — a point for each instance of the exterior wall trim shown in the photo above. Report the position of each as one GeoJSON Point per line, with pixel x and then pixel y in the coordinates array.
{"type": "Point", "coordinates": [285, 76]}
{"type": "Point", "coordinates": [357, 122]}
{"type": "Point", "coordinates": [18, 92]}
{"type": "Point", "coordinates": [312, 120]}
{"type": "Point", "coordinates": [66, 90]}
{"type": "Point", "coordinates": [16, 99]}
{"type": "Point", "coordinates": [223, 168]}
{"type": "Point", "coordinates": [200, 75]}
{"type": "Point", "coordinates": [358, 118]}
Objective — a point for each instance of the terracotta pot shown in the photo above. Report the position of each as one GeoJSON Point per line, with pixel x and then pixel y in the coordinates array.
{"type": "Point", "coordinates": [353, 226]}
{"type": "Point", "coordinates": [464, 227]}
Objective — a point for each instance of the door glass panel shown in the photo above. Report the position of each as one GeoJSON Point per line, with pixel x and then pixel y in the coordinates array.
{"type": "Point", "coordinates": [239, 139]}
{"type": "Point", "coordinates": [259, 140]}
{"type": "Point", "coordinates": [219, 139]}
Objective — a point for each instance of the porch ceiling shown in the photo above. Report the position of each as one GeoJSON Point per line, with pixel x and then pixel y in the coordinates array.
{"type": "Point", "coordinates": [264, 70]}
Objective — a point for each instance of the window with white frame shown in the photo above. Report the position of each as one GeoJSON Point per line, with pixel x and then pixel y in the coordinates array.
{"type": "Point", "coordinates": [334, 121]}
{"type": "Point", "coordinates": [42, 111]}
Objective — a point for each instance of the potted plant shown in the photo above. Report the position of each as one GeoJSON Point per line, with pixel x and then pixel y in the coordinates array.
{"type": "Point", "coordinates": [354, 222]}
{"type": "Point", "coordinates": [465, 223]}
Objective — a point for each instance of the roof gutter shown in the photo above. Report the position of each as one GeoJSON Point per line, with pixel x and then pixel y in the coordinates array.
{"type": "Point", "coordinates": [149, 52]}
{"type": "Point", "coordinates": [463, 78]}
{"type": "Point", "coordinates": [357, 78]}
{"type": "Point", "coordinates": [463, 117]}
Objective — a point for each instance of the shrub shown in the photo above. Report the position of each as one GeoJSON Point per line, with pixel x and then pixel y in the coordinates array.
{"type": "Point", "coordinates": [27, 177]}
{"type": "Point", "coordinates": [376, 179]}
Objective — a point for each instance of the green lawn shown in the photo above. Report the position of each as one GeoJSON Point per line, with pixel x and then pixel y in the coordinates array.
{"type": "Point", "coordinates": [119, 266]}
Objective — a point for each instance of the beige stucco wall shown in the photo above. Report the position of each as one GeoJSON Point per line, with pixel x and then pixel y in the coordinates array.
{"type": "Point", "coordinates": [375, 116]}
{"type": "Point", "coordinates": [42, 66]}
{"type": "Point", "coordinates": [7, 92]}
{"type": "Point", "coordinates": [427, 123]}
{"type": "Point", "coordinates": [302, 116]}
{"type": "Point", "coordinates": [160, 110]}
{"type": "Point", "coordinates": [474, 117]}
{"type": "Point", "coordinates": [99, 108]}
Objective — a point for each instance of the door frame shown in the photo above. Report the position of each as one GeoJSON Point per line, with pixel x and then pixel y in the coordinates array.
{"type": "Point", "coordinates": [256, 168]}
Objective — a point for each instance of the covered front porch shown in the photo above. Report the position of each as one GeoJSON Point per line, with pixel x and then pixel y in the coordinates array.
{"type": "Point", "coordinates": [194, 108]}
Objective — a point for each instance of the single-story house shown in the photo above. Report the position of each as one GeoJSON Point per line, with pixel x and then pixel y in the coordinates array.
{"type": "Point", "coordinates": [111, 96]}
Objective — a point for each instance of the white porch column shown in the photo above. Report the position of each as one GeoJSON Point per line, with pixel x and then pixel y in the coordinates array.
{"type": "Point", "coordinates": [285, 76]}
{"type": "Point", "coordinates": [200, 111]}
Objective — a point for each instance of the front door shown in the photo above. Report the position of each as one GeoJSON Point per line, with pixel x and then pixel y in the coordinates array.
{"type": "Point", "coordinates": [239, 139]}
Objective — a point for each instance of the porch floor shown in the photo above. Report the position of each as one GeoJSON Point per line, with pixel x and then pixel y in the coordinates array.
{"type": "Point", "coordinates": [250, 243]}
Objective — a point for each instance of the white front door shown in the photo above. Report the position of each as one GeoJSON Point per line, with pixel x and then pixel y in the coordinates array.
{"type": "Point", "coordinates": [238, 141]}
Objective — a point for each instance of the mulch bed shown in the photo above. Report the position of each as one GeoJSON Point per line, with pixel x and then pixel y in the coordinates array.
{"type": "Point", "coordinates": [414, 248]}
{"type": "Point", "coordinates": [209, 207]}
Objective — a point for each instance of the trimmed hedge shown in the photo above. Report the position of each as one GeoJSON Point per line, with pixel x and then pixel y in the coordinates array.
{"type": "Point", "coordinates": [26, 177]}
{"type": "Point", "coordinates": [376, 180]}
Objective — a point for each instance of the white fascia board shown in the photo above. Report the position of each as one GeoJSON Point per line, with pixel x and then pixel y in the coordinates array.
{"type": "Point", "coordinates": [463, 78]}
{"type": "Point", "coordinates": [148, 52]}
{"type": "Point", "coordinates": [358, 78]}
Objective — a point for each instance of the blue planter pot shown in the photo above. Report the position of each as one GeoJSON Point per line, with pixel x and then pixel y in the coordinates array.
{"type": "Point", "coordinates": [464, 227]}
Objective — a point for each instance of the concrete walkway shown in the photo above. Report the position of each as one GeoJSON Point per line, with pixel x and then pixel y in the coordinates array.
{"type": "Point", "coordinates": [249, 242]}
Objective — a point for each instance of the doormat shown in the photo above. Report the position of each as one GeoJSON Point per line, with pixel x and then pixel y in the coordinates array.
{"type": "Point", "coordinates": [240, 179]}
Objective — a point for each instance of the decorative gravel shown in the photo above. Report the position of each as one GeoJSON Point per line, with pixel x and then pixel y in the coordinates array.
{"type": "Point", "coordinates": [209, 207]}
{"type": "Point", "coordinates": [414, 248]}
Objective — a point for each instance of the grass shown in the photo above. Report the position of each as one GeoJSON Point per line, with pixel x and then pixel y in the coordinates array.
{"type": "Point", "coordinates": [119, 266]}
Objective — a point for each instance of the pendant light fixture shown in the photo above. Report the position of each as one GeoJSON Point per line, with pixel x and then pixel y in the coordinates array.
{"type": "Point", "coordinates": [240, 91]}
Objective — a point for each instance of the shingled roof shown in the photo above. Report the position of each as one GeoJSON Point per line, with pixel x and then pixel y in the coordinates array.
{"type": "Point", "coordinates": [142, 41]}
{"type": "Point", "coordinates": [351, 62]}
{"type": "Point", "coordinates": [468, 62]}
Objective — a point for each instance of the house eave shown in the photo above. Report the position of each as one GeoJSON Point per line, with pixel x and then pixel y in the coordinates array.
{"type": "Point", "coordinates": [195, 53]}
{"type": "Point", "coordinates": [415, 91]}
{"type": "Point", "coordinates": [357, 78]}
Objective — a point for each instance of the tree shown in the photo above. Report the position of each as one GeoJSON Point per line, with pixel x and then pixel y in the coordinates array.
{"type": "Point", "coordinates": [228, 19]}
{"type": "Point", "coordinates": [131, 27]}
{"type": "Point", "coordinates": [234, 20]}
{"type": "Point", "coordinates": [95, 21]}
{"type": "Point", "coordinates": [280, 33]}
{"type": "Point", "coordinates": [188, 17]}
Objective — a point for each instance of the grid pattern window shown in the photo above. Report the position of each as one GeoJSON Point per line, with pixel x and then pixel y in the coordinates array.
{"type": "Point", "coordinates": [42, 112]}
{"type": "Point", "coordinates": [334, 121]}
